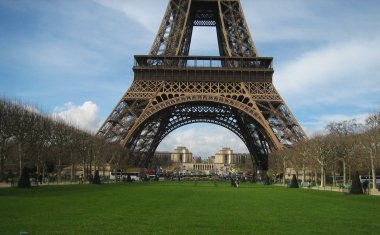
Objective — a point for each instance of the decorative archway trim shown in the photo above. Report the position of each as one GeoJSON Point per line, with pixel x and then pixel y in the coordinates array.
{"type": "Point", "coordinates": [153, 109]}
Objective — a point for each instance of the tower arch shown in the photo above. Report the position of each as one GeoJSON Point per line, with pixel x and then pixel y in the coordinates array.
{"type": "Point", "coordinates": [173, 115]}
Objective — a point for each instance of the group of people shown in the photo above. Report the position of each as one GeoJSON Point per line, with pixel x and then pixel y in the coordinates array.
{"type": "Point", "coordinates": [235, 182]}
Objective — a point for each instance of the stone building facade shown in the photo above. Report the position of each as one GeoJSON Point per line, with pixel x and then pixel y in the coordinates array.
{"type": "Point", "coordinates": [224, 161]}
{"type": "Point", "coordinates": [181, 155]}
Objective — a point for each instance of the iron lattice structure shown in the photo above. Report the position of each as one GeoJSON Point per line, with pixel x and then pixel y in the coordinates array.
{"type": "Point", "coordinates": [172, 89]}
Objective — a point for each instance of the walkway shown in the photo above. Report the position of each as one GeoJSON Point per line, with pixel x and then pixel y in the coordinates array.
{"type": "Point", "coordinates": [335, 189]}
{"type": "Point", "coordinates": [5, 185]}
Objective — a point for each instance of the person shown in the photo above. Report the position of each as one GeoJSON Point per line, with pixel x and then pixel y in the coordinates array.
{"type": "Point", "coordinates": [81, 178]}
{"type": "Point", "coordinates": [365, 186]}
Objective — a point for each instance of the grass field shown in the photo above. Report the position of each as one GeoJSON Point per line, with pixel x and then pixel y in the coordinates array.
{"type": "Point", "coordinates": [185, 208]}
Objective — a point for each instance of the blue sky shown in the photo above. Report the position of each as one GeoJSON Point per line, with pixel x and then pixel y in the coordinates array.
{"type": "Point", "coordinates": [74, 58]}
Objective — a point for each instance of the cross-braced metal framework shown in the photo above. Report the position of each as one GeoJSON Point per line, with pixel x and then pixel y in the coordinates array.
{"type": "Point", "coordinates": [174, 35]}
{"type": "Point", "coordinates": [172, 89]}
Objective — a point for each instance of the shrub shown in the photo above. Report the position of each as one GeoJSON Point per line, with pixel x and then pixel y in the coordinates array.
{"type": "Point", "coordinates": [294, 182]}
{"type": "Point", "coordinates": [129, 179]}
{"type": "Point", "coordinates": [356, 187]}
{"type": "Point", "coordinates": [146, 178]}
{"type": "Point", "coordinates": [24, 181]}
{"type": "Point", "coordinates": [96, 179]}
{"type": "Point", "coordinates": [267, 181]}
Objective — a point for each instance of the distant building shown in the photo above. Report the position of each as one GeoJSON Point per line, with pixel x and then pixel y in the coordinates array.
{"type": "Point", "coordinates": [226, 156]}
{"type": "Point", "coordinates": [299, 173]}
{"type": "Point", "coordinates": [224, 162]}
{"type": "Point", "coordinates": [163, 156]}
{"type": "Point", "coordinates": [181, 155]}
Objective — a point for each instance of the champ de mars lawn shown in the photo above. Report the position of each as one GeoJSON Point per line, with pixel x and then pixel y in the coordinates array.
{"type": "Point", "coordinates": [185, 208]}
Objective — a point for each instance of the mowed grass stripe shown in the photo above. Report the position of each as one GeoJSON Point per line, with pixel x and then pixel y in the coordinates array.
{"type": "Point", "coordinates": [185, 208]}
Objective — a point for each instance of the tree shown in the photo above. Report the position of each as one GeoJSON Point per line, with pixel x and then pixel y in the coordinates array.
{"type": "Point", "coordinates": [27, 136]}
{"type": "Point", "coordinates": [23, 128]}
{"type": "Point", "coordinates": [300, 158]}
{"type": "Point", "coordinates": [6, 134]}
{"type": "Point", "coordinates": [344, 145]}
{"type": "Point", "coordinates": [320, 151]}
{"type": "Point", "coordinates": [61, 140]}
{"type": "Point", "coordinates": [40, 140]}
{"type": "Point", "coordinates": [370, 143]}
{"type": "Point", "coordinates": [281, 159]}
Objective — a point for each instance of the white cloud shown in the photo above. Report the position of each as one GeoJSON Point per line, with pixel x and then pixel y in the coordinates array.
{"type": "Point", "coordinates": [84, 116]}
{"type": "Point", "coordinates": [147, 13]}
{"type": "Point", "coordinates": [203, 140]}
{"type": "Point", "coordinates": [278, 20]}
{"type": "Point", "coordinates": [311, 21]}
{"type": "Point", "coordinates": [318, 124]}
{"type": "Point", "coordinates": [338, 73]}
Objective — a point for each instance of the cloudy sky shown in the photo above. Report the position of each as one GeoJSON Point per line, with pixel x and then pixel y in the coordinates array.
{"type": "Point", "coordinates": [73, 58]}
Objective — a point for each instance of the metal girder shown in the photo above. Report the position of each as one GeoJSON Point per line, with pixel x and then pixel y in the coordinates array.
{"type": "Point", "coordinates": [150, 133]}
{"type": "Point", "coordinates": [143, 123]}
{"type": "Point", "coordinates": [174, 35]}
{"type": "Point", "coordinates": [233, 90]}
{"type": "Point", "coordinates": [173, 29]}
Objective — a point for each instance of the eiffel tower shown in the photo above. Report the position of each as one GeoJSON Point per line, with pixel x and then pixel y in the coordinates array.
{"type": "Point", "coordinates": [172, 88]}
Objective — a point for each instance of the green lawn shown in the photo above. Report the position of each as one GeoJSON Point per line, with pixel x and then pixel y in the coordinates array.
{"type": "Point", "coordinates": [185, 208]}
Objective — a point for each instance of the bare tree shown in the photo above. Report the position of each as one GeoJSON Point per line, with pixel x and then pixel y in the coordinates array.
{"type": "Point", "coordinates": [344, 145]}
{"type": "Point", "coordinates": [6, 134]}
{"type": "Point", "coordinates": [281, 157]}
{"type": "Point", "coordinates": [24, 123]}
{"type": "Point", "coordinates": [40, 140]}
{"type": "Point", "coordinates": [323, 152]}
{"type": "Point", "coordinates": [60, 139]}
{"type": "Point", "coordinates": [370, 142]}
{"type": "Point", "coordinates": [302, 157]}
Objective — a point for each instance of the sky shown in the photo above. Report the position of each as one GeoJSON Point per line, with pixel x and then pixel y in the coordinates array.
{"type": "Point", "coordinates": [74, 59]}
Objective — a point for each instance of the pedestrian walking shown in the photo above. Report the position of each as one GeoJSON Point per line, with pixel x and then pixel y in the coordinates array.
{"type": "Point", "coordinates": [365, 186]}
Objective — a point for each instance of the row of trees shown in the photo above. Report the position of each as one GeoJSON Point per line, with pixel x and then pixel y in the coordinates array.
{"type": "Point", "coordinates": [46, 144]}
{"type": "Point", "coordinates": [344, 148]}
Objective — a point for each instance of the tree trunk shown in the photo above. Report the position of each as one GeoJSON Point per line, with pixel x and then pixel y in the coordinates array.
{"type": "Point", "coordinates": [59, 171]}
{"type": "Point", "coordinates": [334, 177]}
{"type": "Point", "coordinates": [349, 173]}
{"type": "Point", "coordinates": [303, 173]}
{"type": "Point", "coordinates": [323, 177]}
{"type": "Point", "coordinates": [373, 171]}
{"type": "Point", "coordinates": [2, 167]}
{"type": "Point", "coordinates": [316, 176]}
{"type": "Point", "coordinates": [2, 160]}
{"type": "Point", "coordinates": [283, 174]}
{"type": "Point", "coordinates": [85, 176]}
{"type": "Point", "coordinates": [72, 172]}
{"type": "Point", "coordinates": [20, 158]}
{"type": "Point", "coordinates": [38, 170]}
{"type": "Point", "coordinates": [43, 172]}
{"type": "Point", "coordinates": [72, 178]}
{"type": "Point", "coordinates": [344, 171]}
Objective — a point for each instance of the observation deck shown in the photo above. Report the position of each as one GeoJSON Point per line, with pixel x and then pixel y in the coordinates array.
{"type": "Point", "coordinates": [203, 68]}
